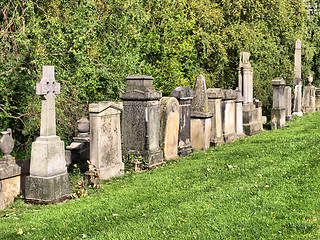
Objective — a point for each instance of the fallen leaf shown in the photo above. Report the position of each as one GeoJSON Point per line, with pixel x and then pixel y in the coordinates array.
{"type": "Point", "coordinates": [20, 231]}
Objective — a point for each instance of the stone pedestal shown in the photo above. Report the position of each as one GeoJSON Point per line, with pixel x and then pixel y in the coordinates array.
{"type": "Point", "coordinates": [214, 102]}
{"type": "Point", "coordinates": [250, 115]}
{"type": "Point", "coordinates": [317, 94]}
{"type": "Point", "coordinates": [141, 120]}
{"type": "Point", "coordinates": [309, 97]}
{"type": "Point", "coordinates": [258, 105]}
{"type": "Point", "coordinates": [297, 108]}
{"type": "Point", "coordinates": [200, 116]}
{"type": "Point", "coordinates": [288, 103]}
{"type": "Point", "coordinates": [48, 180]}
{"type": "Point", "coordinates": [184, 96]}
{"type": "Point", "coordinates": [105, 135]}
{"type": "Point", "coordinates": [229, 115]}
{"type": "Point", "coordinates": [169, 127]}
{"type": "Point", "coordinates": [278, 112]}
{"type": "Point", "coordinates": [239, 115]}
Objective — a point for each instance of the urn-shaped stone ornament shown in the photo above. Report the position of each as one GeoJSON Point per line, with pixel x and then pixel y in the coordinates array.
{"type": "Point", "coordinates": [83, 125]}
{"type": "Point", "coordinates": [6, 143]}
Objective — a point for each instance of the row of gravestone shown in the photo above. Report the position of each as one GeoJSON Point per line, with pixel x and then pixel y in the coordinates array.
{"type": "Point", "coordinates": [282, 101]}
{"type": "Point", "coordinates": [144, 125]}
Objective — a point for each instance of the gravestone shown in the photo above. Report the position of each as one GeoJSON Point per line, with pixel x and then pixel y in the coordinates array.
{"type": "Point", "coordinates": [200, 116]}
{"type": "Point", "coordinates": [214, 102]}
{"type": "Point", "coordinates": [258, 105]}
{"type": "Point", "coordinates": [309, 97]}
{"type": "Point", "coordinates": [239, 115]}
{"type": "Point", "coordinates": [141, 120]}
{"type": "Point", "coordinates": [169, 127]}
{"type": "Point", "coordinates": [278, 112]}
{"type": "Point", "coordinates": [297, 107]}
{"type": "Point", "coordinates": [251, 125]}
{"type": "Point", "coordinates": [9, 171]}
{"type": "Point", "coordinates": [288, 103]}
{"type": "Point", "coordinates": [229, 115]}
{"type": "Point", "coordinates": [78, 152]}
{"type": "Point", "coordinates": [105, 135]}
{"type": "Point", "coordinates": [184, 96]}
{"type": "Point", "coordinates": [48, 180]}
{"type": "Point", "coordinates": [317, 94]}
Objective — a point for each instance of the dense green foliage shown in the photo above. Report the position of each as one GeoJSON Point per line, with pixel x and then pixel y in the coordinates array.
{"type": "Point", "coordinates": [262, 187]}
{"type": "Point", "coordinates": [95, 44]}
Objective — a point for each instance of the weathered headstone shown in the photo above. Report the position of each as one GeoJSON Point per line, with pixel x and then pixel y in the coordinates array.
{"type": "Point", "coordinates": [288, 103]}
{"type": "Point", "coordinates": [297, 107]}
{"type": "Point", "coordinates": [184, 96]}
{"type": "Point", "coordinates": [169, 127]}
{"type": "Point", "coordinates": [245, 85]}
{"type": "Point", "coordinates": [239, 115]}
{"type": "Point", "coordinates": [78, 152]}
{"type": "Point", "coordinates": [297, 63]}
{"type": "Point", "coordinates": [317, 94]}
{"type": "Point", "coordinates": [200, 116]}
{"type": "Point", "coordinates": [48, 180]}
{"type": "Point", "coordinates": [105, 135]}
{"type": "Point", "coordinates": [229, 115]}
{"type": "Point", "coordinates": [309, 97]}
{"type": "Point", "coordinates": [214, 101]}
{"type": "Point", "coordinates": [278, 112]}
{"type": "Point", "coordinates": [9, 171]}
{"type": "Point", "coordinates": [141, 120]}
{"type": "Point", "coordinates": [258, 105]}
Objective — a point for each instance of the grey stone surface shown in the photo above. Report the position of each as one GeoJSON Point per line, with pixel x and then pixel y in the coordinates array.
{"type": "Point", "coordinates": [317, 95]}
{"type": "Point", "coordinates": [309, 97]}
{"type": "Point", "coordinates": [239, 115]}
{"type": "Point", "coordinates": [105, 135]}
{"type": "Point", "coordinates": [258, 105]}
{"type": "Point", "coordinates": [141, 120]}
{"type": "Point", "coordinates": [214, 101]}
{"type": "Point", "coordinates": [200, 116]}
{"type": "Point", "coordinates": [297, 61]}
{"type": "Point", "coordinates": [250, 115]}
{"type": "Point", "coordinates": [278, 112]}
{"type": "Point", "coordinates": [47, 153]}
{"type": "Point", "coordinates": [245, 78]}
{"type": "Point", "coordinates": [297, 107]}
{"type": "Point", "coordinates": [169, 127]}
{"type": "Point", "coordinates": [9, 190]}
{"type": "Point", "coordinates": [229, 115]}
{"type": "Point", "coordinates": [184, 96]}
{"type": "Point", "coordinates": [288, 103]}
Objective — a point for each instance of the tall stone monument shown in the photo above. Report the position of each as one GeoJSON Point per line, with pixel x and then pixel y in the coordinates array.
{"type": "Point", "coordinates": [105, 135]}
{"type": "Point", "coordinates": [169, 127]}
{"type": "Point", "coordinates": [278, 112]}
{"type": "Point", "coordinates": [141, 119]}
{"type": "Point", "coordinates": [215, 107]}
{"type": "Point", "coordinates": [297, 63]}
{"type": "Point", "coordinates": [309, 97]}
{"type": "Point", "coordinates": [200, 116]}
{"type": "Point", "coordinates": [184, 96]}
{"type": "Point", "coordinates": [245, 85]}
{"type": "Point", "coordinates": [288, 103]}
{"type": "Point", "coordinates": [48, 180]}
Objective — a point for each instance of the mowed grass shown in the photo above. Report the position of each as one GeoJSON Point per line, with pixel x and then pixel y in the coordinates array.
{"type": "Point", "coordinates": [262, 187]}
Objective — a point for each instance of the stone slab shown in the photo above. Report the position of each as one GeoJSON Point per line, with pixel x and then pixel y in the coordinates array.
{"type": "Point", "coordinates": [9, 190]}
{"type": "Point", "coordinates": [200, 133]}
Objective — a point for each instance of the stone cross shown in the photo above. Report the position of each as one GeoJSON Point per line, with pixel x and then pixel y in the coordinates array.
{"type": "Point", "coordinates": [48, 87]}
{"type": "Point", "coordinates": [297, 62]}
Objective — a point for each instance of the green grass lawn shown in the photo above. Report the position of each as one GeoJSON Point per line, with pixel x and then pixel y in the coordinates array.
{"type": "Point", "coordinates": [262, 187]}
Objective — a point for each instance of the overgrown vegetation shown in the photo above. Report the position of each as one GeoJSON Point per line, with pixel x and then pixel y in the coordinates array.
{"type": "Point", "coordinates": [262, 187]}
{"type": "Point", "coordinates": [95, 44]}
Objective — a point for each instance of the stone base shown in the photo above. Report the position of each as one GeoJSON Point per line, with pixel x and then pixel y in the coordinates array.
{"type": "Point", "coordinates": [216, 142]}
{"type": "Point", "coordinates": [252, 129]}
{"type": "Point", "coordinates": [229, 137]}
{"type": "Point", "coordinates": [309, 109]}
{"type": "Point", "coordinates": [9, 190]}
{"type": "Point", "coordinates": [111, 171]}
{"type": "Point", "coordinates": [289, 118]}
{"type": "Point", "coordinates": [200, 133]}
{"type": "Point", "coordinates": [47, 189]}
{"type": "Point", "coordinates": [241, 135]}
{"type": "Point", "coordinates": [185, 151]}
{"type": "Point", "coordinates": [278, 118]}
{"type": "Point", "coordinates": [299, 114]}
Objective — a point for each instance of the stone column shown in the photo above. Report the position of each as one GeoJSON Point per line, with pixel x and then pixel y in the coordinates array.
{"type": "Point", "coordinates": [297, 64]}
{"type": "Point", "coordinates": [105, 135]}
{"type": "Point", "coordinates": [229, 115]}
{"type": "Point", "coordinates": [239, 117]}
{"type": "Point", "coordinates": [169, 127]}
{"type": "Point", "coordinates": [9, 171]}
{"type": "Point", "coordinates": [245, 85]}
{"type": "Point", "coordinates": [214, 103]}
{"type": "Point", "coordinates": [184, 96]}
{"type": "Point", "coordinates": [200, 116]}
{"type": "Point", "coordinates": [288, 103]}
{"type": "Point", "coordinates": [309, 97]}
{"type": "Point", "coordinates": [48, 180]}
{"type": "Point", "coordinates": [297, 101]}
{"type": "Point", "coordinates": [278, 112]}
{"type": "Point", "coordinates": [141, 120]}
